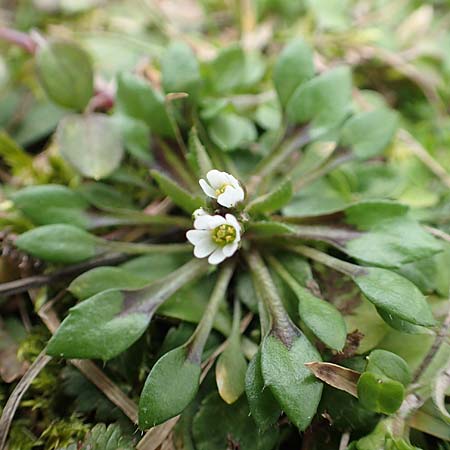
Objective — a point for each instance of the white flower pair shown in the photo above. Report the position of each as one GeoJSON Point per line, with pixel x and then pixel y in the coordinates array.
{"type": "Point", "coordinates": [216, 236]}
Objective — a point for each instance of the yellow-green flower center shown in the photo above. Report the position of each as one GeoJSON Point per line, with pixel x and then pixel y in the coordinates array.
{"type": "Point", "coordinates": [223, 235]}
{"type": "Point", "coordinates": [221, 190]}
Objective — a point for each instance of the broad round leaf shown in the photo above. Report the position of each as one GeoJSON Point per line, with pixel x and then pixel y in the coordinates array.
{"type": "Point", "coordinates": [66, 73]}
{"type": "Point", "coordinates": [171, 385]}
{"type": "Point", "coordinates": [379, 394]}
{"type": "Point", "coordinates": [369, 133]}
{"type": "Point", "coordinates": [323, 101]}
{"type": "Point", "coordinates": [283, 368]}
{"type": "Point", "coordinates": [101, 327]}
{"type": "Point", "coordinates": [323, 319]}
{"type": "Point", "coordinates": [91, 143]}
{"type": "Point", "coordinates": [293, 67]}
{"type": "Point", "coordinates": [389, 365]}
{"type": "Point", "coordinates": [395, 295]}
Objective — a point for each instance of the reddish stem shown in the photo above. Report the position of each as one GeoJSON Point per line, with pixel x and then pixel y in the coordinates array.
{"type": "Point", "coordinates": [19, 38]}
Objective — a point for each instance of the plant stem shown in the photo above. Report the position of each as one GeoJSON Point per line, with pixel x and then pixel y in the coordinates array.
{"type": "Point", "coordinates": [178, 165]}
{"type": "Point", "coordinates": [197, 341]}
{"type": "Point", "coordinates": [137, 218]}
{"type": "Point", "coordinates": [139, 249]}
{"type": "Point", "coordinates": [281, 324]}
{"type": "Point", "coordinates": [271, 162]}
{"type": "Point", "coordinates": [18, 38]}
{"type": "Point", "coordinates": [329, 261]}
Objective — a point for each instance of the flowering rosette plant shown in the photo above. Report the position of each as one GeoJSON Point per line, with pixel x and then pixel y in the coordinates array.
{"type": "Point", "coordinates": [238, 253]}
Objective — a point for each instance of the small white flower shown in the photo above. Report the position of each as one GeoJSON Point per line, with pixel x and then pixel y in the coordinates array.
{"type": "Point", "coordinates": [223, 187]}
{"type": "Point", "coordinates": [215, 236]}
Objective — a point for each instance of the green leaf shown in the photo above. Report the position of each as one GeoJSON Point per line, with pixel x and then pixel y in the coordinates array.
{"type": "Point", "coordinates": [174, 380]}
{"type": "Point", "coordinates": [106, 324]}
{"type": "Point", "coordinates": [91, 143]}
{"type": "Point", "coordinates": [377, 236]}
{"type": "Point", "coordinates": [217, 425]}
{"type": "Point", "coordinates": [101, 279]}
{"type": "Point", "coordinates": [58, 243]}
{"type": "Point", "coordinates": [177, 194]}
{"type": "Point", "coordinates": [320, 316]}
{"type": "Point", "coordinates": [200, 155]}
{"type": "Point", "coordinates": [395, 295]}
{"type": "Point", "coordinates": [180, 69]}
{"type": "Point", "coordinates": [293, 67]}
{"type": "Point", "coordinates": [322, 102]}
{"type": "Point", "coordinates": [135, 137]}
{"type": "Point", "coordinates": [393, 243]}
{"type": "Point", "coordinates": [264, 408]}
{"type": "Point", "coordinates": [273, 201]}
{"type": "Point", "coordinates": [369, 133]}
{"type": "Point", "coordinates": [136, 98]}
{"type": "Point", "coordinates": [227, 71]}
{"type": "Point", "coordinates": [105, 197]}
{"type": "Point", "coordinates": [283, 368]}
{"type": "Point", "coordinates": [330, 14]}
{"type": "Point", "coordinates": [231, 365]}
{"type": "Point", "coordinates": [171, 385]}
{"type": "Point", "coordinates": [379, 394]}
{"type": "Point", "coordinates": [268, 228]}
{"type": "Point", "coordinates": [389, 365]}
{"type": "Point", "coordinates": [102, 327]}
{"type": "Point", "coordinates": [230, 131]}
{"type": "Point", "coordinates": [111, 438]}
{"type": "Point", "coordinates": [66, 74]}
{"type": "Point", "coordinates": [51, 203]}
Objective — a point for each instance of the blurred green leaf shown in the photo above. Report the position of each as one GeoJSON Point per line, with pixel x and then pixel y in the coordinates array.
{"type": "Point", "coordinates": [91, 143]}
{"type": "Point", "coordinates": [322, 102]}
{"type": "Point", "coordinates": [369, 133]}
{"type": "Point", "coordinates": [230, 131]}
{"type": "Point", "coordinates": [294, 66]}
{"type": "Point", "coordinates": [138, 99]}
{"type": "Point", "coordinates": [66, 73]}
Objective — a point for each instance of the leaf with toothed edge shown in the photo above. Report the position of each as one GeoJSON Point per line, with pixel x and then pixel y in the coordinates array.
{"type": "Point", "coordinates": [283, 368]}
{"type": "Point", "coordinates": [106, 324]}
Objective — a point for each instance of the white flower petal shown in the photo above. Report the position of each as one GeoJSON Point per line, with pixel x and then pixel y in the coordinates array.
{"type": "Point", "coordinates": [199, 212]}
{"type": "Point", "coordinates": [204, 248]}
{"type": "Point", "coordinates": [196, 236]}
{"type": "Point", "coordinates": [231, 220]}
{"type": "Point", "coordinates": [208, 222]}
{"type": "Point", "coordinates": [217, 178]}
{"type": "Point", "coordinates": [207, 189]}
{"type": "Point", "coordinates": [229, 197]}
{"type": "Point", "coordinates": [229, 249]}
{"type": "Point", "coordinates": [217, 256]}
